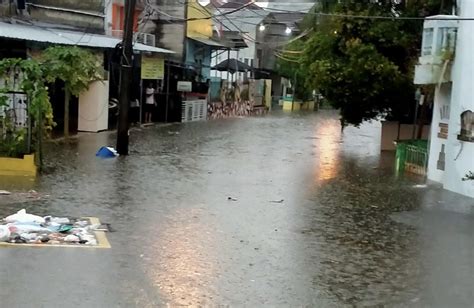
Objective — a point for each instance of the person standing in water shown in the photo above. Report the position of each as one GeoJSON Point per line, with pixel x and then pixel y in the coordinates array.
{"type": "Point", "coordinates": [150, 102]}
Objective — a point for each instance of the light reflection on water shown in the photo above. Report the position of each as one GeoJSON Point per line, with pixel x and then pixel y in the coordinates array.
{"type": "Point", "coordinates": [181, 263]}
{"type": "Point", "coordinates": [327, 146]}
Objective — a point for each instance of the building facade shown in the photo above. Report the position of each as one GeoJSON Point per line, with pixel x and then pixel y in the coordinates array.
{"type": "Point", "coordinates": [446, 62]}
{"type": "Point", "coordinates": [26, 28]}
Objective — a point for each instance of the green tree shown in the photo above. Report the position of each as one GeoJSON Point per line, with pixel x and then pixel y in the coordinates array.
{"type": "Point", "coordinates": [364, 66]}
{"type": "Point", "coordinates": [290, 66]}
{"type": "Point", "coordinates": [76, 67]}
{"type": "Point", "coordinates": [39, 109]}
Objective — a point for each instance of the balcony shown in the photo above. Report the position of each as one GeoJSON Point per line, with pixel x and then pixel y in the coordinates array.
{"type": "Point", "coordinates": [437, 51]}
{"type": "Point", "coordinates": [140, 37]}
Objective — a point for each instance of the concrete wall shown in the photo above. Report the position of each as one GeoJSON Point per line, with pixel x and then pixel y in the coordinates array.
{"type": "Point", "coordinates": [92, 24]}
{"type": "Point", "coordinates": [83, 5]}
{"type": "Point", "coordinates": [390, 134]}
{"type": "Point", "coordinates": [108, 12]}
{"type": "Point", "coordinates": [87, 15]}
{"type": "Point", "coordinates": [201, 27]}
{"type": "Point", "coordinates": [169, 33]}
{"type": "Point", "coordinates": [460, 154]}
{"type": "Point", "coordinates": [438, 140]}
{"type": "Point", "coordinates": [268, 94]}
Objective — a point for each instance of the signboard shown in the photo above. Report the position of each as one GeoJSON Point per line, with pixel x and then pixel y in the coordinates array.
{"type": "Point", "coordinates": [152, 67]}
{"type": "Point", "coordinates": [185, 86]}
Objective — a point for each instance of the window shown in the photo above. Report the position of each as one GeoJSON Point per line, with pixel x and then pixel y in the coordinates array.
{"type": "Point", "coordinates": [118, 17]}
{"type": "Point", "coordinates": [427, 47]}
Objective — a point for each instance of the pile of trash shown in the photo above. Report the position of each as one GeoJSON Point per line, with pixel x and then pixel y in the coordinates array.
{"type": "Point", "coordinates": [24, 228]}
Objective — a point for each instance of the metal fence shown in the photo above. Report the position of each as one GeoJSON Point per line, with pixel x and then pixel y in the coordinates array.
{"type": "Point", "coordinates": [15, 119]}
{"type": "Point", "coordinates": [416, 160]}
{"type": "Point", "coordinates": [192, 111]}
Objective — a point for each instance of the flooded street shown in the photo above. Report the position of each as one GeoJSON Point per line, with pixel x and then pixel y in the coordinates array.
{"type": "Point", "coordinates": [316, 218]}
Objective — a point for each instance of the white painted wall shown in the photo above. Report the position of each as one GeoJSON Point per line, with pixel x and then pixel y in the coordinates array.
{"type": "Point", "coordinates": [108, 17]}
{"type": "Point", "coordinates": [459, 154]}
{"type": "Point", "coordinates": [440, 115]}
{"type": "Point", "coordinates": [94, 108]}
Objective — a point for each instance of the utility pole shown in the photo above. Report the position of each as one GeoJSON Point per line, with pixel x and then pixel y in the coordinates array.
{"type": "Point", "coordinates": [126, 65]}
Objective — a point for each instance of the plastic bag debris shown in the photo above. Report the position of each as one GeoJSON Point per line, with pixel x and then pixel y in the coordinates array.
{"type": "Point", "coordinates": [60, 220]}
{"type": "Point", "coordinates": [27, 228]}
{"type": "Point", "coordinates": [22, 217]}
{"type": "Point", "coordinates": [106, 152]}
{"type": "Point", "coordinates": [4, 193]}
{"type": "Point", "coordinates": [4, 233]}
{"type": "Point", "coordinates": [72, 239]}
{"type": "Point", "coordinates": [24, 228]}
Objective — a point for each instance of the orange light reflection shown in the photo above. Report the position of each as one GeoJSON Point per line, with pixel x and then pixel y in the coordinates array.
{"type": "Point", "coordinates": [327, 149]}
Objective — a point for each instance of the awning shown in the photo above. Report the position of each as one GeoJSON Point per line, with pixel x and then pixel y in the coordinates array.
{"type": "Point", "coordinates": [35, 33]}
{"type": "Point", "coordinates": [232, 66]}
{"type": "Point", "coordinates": [209, 42]}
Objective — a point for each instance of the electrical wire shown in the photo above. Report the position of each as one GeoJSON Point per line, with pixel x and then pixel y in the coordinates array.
{"type": "Point", "coordinates": [374, 16]}
{"type": "Point", "coordinates": [286, 59]}
{"type": "Point", "coordinates": [86, 29]}
{"type": "Point", "coordinates": [202, 18]}
{"type": "Point", "coordinates": [394, 18]}
{"type": "Point", "coordinates": [238, 29]}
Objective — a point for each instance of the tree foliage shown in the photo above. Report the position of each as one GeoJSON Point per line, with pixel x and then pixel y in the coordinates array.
{"type": "Point", "coordinates": [40, 110]}
{"type": "Point", "coordinates": [289, 65]}
{"type": "Point", "coordinates": [364, 66]}
{"type": "Point", "coordinates": [76, 67]}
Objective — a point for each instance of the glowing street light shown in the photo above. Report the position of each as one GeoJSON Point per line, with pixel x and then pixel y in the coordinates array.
{"type": "Point", "coordinates": [288, 30]}
{"type": "Point", "coordinates": [262, 27]}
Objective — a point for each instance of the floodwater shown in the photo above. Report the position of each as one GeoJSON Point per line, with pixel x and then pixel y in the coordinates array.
{"type": "Point", "coordinates": [317, 218]}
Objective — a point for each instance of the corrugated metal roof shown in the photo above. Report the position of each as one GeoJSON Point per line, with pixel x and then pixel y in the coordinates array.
{"type": "Point", "coordinates": [302, 7]}
{"type": "Point", "coordinates": [208, 42]}
{"type": "Point", "coordinates": [61, 37]}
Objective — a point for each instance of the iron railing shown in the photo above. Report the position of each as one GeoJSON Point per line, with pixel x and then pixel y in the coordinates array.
{"type": "Point", "coordinates": [416, 161]}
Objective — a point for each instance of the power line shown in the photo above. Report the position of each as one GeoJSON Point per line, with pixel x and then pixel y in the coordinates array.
{"type": "Point", "coordinates": [202, 18]}
{"type": "Point", "coordinates": [285, 59]}
{"type": "Point", "coordinates": [238, 29]}
{"type": "Point", "coordinates": [106, 4]}
{"type": "Point", "coordinates": [374, 16]}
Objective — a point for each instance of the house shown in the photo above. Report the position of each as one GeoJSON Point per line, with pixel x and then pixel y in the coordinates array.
{"type": "Point", "coordinates": [26, 28]}
{"type": "Point", "coordinates": [274, 32]}
{"type": "Point", "coordinates": [446, 63]}
{"type": "Point", "coordinates": [244, 23]}
{"type": "Point", "coordinates": [185, 28]}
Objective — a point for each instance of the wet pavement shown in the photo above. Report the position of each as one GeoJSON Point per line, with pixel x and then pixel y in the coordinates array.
{"type": "Point", "coordinates": [347, 233]}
